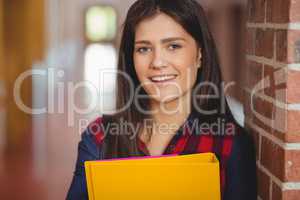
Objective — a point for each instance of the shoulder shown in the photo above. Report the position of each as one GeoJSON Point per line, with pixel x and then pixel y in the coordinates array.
{"type": "Point", "coordinates": [242, 140]}
{"type": "Point", "coordinates": [241, 168]}
{"type": "Point", "coordinates": [88, 149]}
{"type": "Point", "coordinates": [234, 141]}
{"type": "Point", "coordinates": [95, 131]}
{"type": "Point", "coordinates": [92, 138]}
{"type": "Point", "coordinates": [243, 151]}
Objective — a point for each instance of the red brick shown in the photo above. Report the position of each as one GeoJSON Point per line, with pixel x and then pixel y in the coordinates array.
{"type": "Point", "coordinates": [254, 71]}
{"type": "Point", "coordinates": [293, 90]}
{"type": "Point", "coordinates": [264, 43]}
{"type": "Point", "coordinates": [293, 46]}
{"type": "Point", "coordinates": [291, 195]}
{"type": "Point", "coordinates": [276, 88]}
{"type": "Point", "coordinates": [292, 166]}
{"type": "Point", "coordinates": [278, 11]}
{"type": "Point", "coordinates": [281, 45]}
{"type": "Point", "coordinates": [280, 84]}
{"type": "Point", "coordinates": [280, 126]}
{"type": "Point", "coordinates": [256, 11]}
{"type": "Point", "coordinates": [269, 89]}
{"type": "Point", "coordinates": [250, 37]}
{"type": "Point", "coordinates": [285, 135]}
{"type": "Point", "coordinates": [276, 192]}
{"type": "Point", "coordinates": [288, 46]}
{"type": "Point", "coordinates": [293, 43]}
{"type": "Point", "coordinates": [294, 11]}
{"type": "Point", "coordinates": [272, 158]}
{"type": "Point", "coordinates": [284, 164]}
{"type": "Point", "coordinates": [294, 122]}
{"type": "Point", "coordinates": [262, 113]}
{"type": "Point", "coordinates": [263, 185]}
{"type": "Point", "coordinates": [292, 138]}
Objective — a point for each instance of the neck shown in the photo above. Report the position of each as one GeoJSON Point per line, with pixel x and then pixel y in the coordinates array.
{"type": "Point", "coordinates": [172, 113]}
{"type": "Point", "coordinates": [170, 116]}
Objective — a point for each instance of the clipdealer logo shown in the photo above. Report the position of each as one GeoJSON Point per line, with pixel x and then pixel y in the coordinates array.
{"type": "Point", "coordinates": [60, 95]}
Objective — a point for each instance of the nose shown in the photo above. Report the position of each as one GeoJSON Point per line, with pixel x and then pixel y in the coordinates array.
{"type": "Point", "coordinates": [158, 60]}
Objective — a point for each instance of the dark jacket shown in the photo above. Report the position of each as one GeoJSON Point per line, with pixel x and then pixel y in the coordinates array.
{"type": "Point", "coordinates": [240, 172]}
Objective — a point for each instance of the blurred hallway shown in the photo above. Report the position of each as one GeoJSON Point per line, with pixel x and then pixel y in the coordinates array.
{"type": "Point", "coordinates": [50, 37]}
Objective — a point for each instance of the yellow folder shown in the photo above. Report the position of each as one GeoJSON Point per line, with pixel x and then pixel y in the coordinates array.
{"type": "Point", "coordinates": [170, 177]}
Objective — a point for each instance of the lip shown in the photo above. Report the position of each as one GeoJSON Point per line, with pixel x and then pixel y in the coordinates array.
{"type": "Point", "coordinates": [163, 78]}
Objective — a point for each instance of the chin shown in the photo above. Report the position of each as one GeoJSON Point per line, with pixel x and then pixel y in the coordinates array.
{"type": "Point", "coordinates": [167, 99]}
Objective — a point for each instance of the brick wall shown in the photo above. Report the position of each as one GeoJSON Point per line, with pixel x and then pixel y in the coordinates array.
{"type": "Point", "coordinates": [272, 95]}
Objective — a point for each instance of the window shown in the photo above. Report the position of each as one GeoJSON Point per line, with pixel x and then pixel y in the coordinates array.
{"type": "Point", "coordinates": [101, 23]}
{"type": "Point", "coordinates": [100, 54]}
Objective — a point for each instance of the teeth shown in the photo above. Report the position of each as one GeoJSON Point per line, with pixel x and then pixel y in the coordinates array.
{"type": "Point", "coordinates": [163, 78]}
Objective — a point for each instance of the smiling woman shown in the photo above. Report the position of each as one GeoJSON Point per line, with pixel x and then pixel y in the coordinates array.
{"type": "Point", "coordinates": [168, 58]}
{"type": "Point", "coordinates": [166, 62]}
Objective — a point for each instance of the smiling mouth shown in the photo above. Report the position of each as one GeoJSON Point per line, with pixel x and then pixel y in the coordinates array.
{"type": "Point", "coordinates": [162, 78]}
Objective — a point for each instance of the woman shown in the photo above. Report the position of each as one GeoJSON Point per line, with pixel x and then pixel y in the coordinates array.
{"type": "Point", "coordinates": [169, 54]}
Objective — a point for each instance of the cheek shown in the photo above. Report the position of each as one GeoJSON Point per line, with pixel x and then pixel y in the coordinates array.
{"type": "Point", "coordinates": [188, 68]}
{"type": "Point", "coordinates": [188, 77]}
{"type": "Point", "coordinates": [140, 67]}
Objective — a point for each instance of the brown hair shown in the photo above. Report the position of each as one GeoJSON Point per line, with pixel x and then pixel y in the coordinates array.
{"type": "Point", "coordinates": [191, 16]}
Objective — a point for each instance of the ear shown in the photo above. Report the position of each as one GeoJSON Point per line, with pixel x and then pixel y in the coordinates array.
{"type": "Point", "coordinates": [199, 58]}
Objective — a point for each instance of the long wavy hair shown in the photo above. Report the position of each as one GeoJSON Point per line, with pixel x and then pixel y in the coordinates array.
{"type": "Point", "coordinates": [191, 16]}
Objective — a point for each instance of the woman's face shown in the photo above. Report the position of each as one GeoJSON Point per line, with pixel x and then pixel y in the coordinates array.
{"type": "Point", "coordinates": [166, 58]}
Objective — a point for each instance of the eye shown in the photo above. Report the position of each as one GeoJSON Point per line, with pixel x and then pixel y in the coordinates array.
{"type": "Point", "coordinates": [174, 46]}
{"type": "Point", "coordinates": [143, 50]}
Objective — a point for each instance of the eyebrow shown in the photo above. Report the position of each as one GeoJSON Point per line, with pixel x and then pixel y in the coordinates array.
{"type": "Point", "coordinates": [166, 40]}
